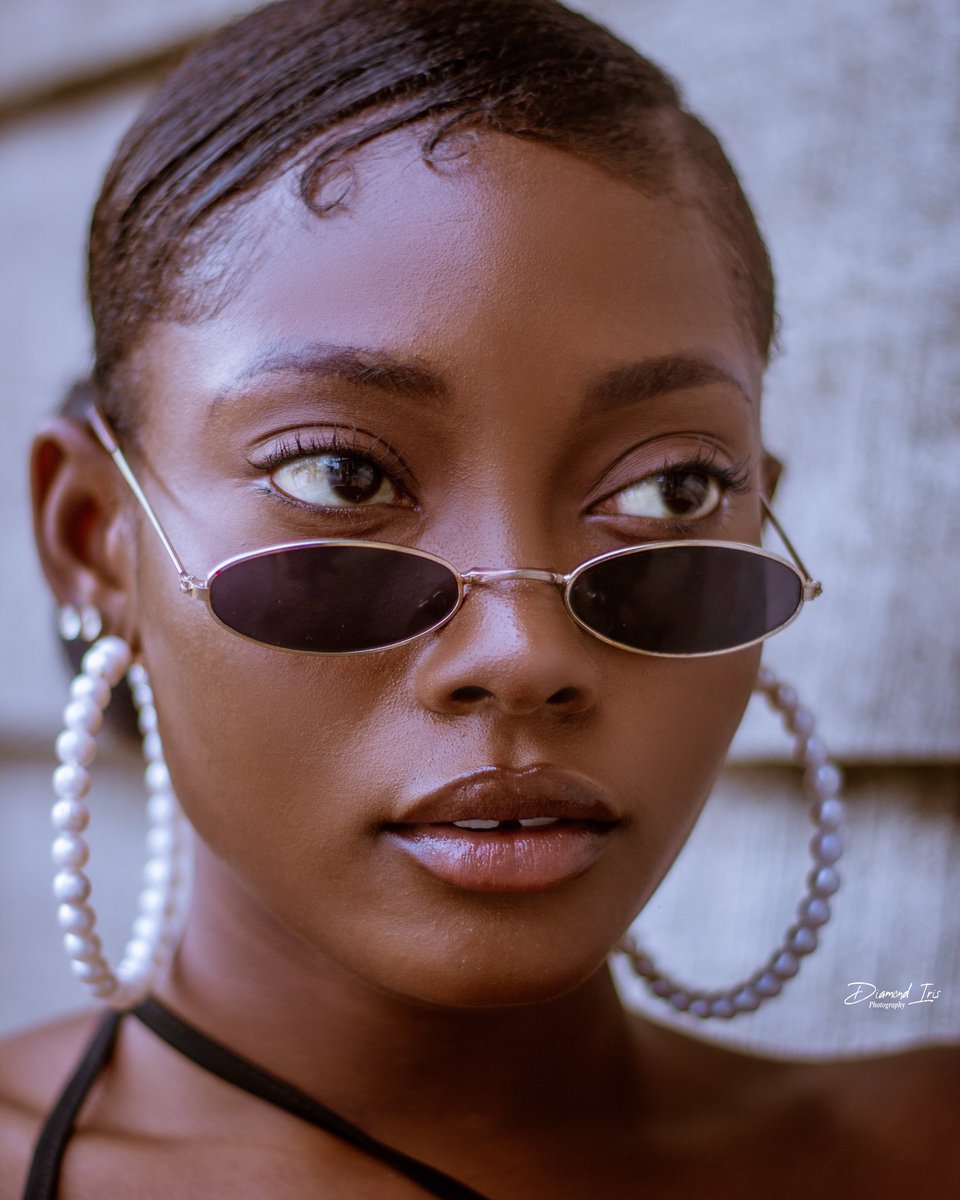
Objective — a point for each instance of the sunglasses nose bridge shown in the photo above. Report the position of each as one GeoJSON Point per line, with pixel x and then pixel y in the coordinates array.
{"type": "Point", "coordinates": [481, 577]}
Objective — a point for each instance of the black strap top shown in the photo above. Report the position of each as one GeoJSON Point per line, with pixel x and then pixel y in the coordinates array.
{"type": "Point", "coordinates": [52, 1141]}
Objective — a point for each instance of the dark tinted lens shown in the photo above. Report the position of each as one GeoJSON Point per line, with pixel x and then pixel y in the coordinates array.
{"type": "Point", "coordinates": [333, 599]}
{"type": "Point", "coordinates": [686, 599]}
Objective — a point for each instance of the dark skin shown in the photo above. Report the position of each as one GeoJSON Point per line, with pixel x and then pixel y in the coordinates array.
{"type": "Point", "coordinates": [478, 1031]}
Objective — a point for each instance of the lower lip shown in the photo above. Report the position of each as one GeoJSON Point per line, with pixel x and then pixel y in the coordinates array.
{"type": "Point", "coordinates": [510, 860]}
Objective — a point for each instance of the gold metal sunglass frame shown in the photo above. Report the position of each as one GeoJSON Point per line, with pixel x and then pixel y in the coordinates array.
{"type": "Point", "coordinates": [199, 589]}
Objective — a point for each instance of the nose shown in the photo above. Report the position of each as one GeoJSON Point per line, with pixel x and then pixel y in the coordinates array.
{"type": "Point", "coordinates": [512, 647]}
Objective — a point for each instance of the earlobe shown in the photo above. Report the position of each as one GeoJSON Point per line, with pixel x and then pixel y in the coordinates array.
{"type": "Point", "coordinates": [81, 528]}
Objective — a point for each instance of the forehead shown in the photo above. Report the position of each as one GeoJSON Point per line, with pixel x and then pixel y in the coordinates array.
{"type": "Point", "coordinates": [512, 253]}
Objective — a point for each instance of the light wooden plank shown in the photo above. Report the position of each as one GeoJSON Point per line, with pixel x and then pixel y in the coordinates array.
{"type": "Point", "coordinates": [732, 893]}
{"type": "Point", "coordinates": [842, 118]}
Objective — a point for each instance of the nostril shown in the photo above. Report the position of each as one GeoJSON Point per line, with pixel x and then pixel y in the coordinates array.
{"type": "Point", "coordinates": [565, 695]}
{"type": "Point", "coordinates": [469, 692]}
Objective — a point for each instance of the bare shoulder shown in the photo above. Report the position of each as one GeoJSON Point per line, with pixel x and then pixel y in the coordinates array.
{"type": "Point", "coordinates": [914, 1093]}
{"type": "Point", "coordinates": [877, 1120]}
{"type": "Point", "coordinates": [34, 1066]}
{"type": "Point", "coordinates": [890, 1118]}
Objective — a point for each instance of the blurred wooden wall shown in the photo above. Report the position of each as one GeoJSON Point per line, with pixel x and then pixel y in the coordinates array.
{"type": "Point", "coordinates": [842, 118]}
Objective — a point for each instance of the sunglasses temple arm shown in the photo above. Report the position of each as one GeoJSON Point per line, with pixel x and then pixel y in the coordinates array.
{"type": "Point", "coordinates": [105, 436]}
{"type": "Point", "coordinates": [811, 585]}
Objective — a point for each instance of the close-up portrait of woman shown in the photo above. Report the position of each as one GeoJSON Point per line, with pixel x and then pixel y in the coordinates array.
{"type": "Point", "coordinates": [435, 485]}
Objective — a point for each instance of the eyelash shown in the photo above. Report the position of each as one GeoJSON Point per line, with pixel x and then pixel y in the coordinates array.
{"type": "Point", "coordinates": [347, 444]}
{"type": "Point", "coordinates": [733, 479]}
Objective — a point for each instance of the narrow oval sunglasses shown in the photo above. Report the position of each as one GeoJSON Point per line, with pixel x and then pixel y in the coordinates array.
{"type": "Point", "coordinates": [678, 599]}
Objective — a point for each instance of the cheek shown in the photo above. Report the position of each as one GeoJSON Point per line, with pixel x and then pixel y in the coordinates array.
{"type": "Point", "coordinates": [669, 727]}
{"type": "Point", "coordinates": [249, 726]}
{"type": "Point", "coordinates": [261, 743]}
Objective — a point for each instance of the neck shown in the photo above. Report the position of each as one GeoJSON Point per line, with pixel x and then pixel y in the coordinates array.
{"type": "Point", "coordinates": [249, 983]}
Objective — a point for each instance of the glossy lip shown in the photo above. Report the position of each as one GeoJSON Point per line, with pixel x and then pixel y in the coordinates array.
{"type": "Point", "coordinates": [505, 794]}
{"type": "Point", "coordinates": [516, 859]}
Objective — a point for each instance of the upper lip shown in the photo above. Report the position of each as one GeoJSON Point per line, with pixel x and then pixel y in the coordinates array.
{"type": "Point", "coordinates": [505, 794]}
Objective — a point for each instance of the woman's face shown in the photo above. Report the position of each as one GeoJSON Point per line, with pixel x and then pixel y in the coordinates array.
{"type": "Point", "coordinates": [516, 276]}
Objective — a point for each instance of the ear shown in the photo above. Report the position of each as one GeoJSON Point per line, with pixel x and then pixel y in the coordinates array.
{"type": "Point", "coordinates": [771, 469]}
{"type": "Point", "coordinates": [85, 533]}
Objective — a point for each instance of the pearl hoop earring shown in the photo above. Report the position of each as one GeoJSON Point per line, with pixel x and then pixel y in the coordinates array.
{"type": "Point", "coordinates": [822, 782]}
{"type": "Point", "coordinates": [162, 904]}
{"type": "Point", "coordinates": [83, 622]}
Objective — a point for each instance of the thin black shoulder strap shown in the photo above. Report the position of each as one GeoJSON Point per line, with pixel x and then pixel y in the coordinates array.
{"type": "Point", "coordinates": [214, 1057]}
{"type": "Point", "coordinates": [44, 1177]}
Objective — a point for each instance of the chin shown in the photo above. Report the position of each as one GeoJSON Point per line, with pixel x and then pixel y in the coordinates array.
{"type": "Point", "coordinates": [485, 980]}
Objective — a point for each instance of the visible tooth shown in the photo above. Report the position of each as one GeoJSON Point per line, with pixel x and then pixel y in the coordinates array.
{"type": "Point", "coordinates": [477, 824]}
{"type": "Point", "coordinates": [532, 822]}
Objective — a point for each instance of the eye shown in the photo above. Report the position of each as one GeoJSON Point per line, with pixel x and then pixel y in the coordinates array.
{"type": "Point", "coordinates": [681, 492]}
{"type": "Point", "coordinates": [336, 480]}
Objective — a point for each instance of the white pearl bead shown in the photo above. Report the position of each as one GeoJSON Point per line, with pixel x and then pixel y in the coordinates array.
{"type": "Point", "coordinates": [76, 918]}
{"type": "Point", "coordinates": [70, 816]}
{"type": "Point", "coordinates": [142, 697]}
{"type": "Point", "coordinates": [824, 881]}
{"type": "Point", "coordinates": [137, 675]}
{"type": "Point", "coordinates": [70, 886]}
{"type": "Point", "coordinates": [721, 1007]}
{"type": "Point", "coordinates": [766, 679]}
{"type": "Point", "coordinates": [161, 841]}
{"type": "Point", "coordinates": [801, 721]}
{"type": "Point", "coordinates": [69, 850]}
{"type": "Point", "coordinates": [110, 657]}
{"type": "Point", "coordinates": [147, 927]}
{"type": "Point", "coordinates": [89, 972]}
{"type": "Point", "coordinates": [71, 780]}
{"type": "Point", "coordinates": [700, 1007]}
{"type": "Point", "coordinates": [662, 987]}
{"type": "Point", "coordinates": [813, 752]}
{"type": "Point", "coordinates": [133, 975]}
{"type": "Point", "coordinates": [785, 965]}
{"type": "Point", "coordinates": [159, 872]}
{"type": "Point", "coordinates": [69, 624]}
{"type": "Point", "coordinates": [104, 988]}
{"type": "Point", "coordinates": [83, 947]}
{"type": "Point", "coordinates": [826, 847]}
{"type": "Point", "coordinates": [680, 1000]}
{"type": "Point", "coordinates": [802, 940]}
{"type": "Point", "coordinates": [147, 718]}
{"type": "Point", "coordinates": [161, 808]}
{"type": "Point", "coordinates": [153, 902]}
{"type": "Point", "coordinates": [785, 697]}
{"type": "Point", "coordinates": [84, 716]}
{"type": "Point", "coordinates": [91, 687]}
{"type": "Point", "coordinates": [643, 963]}
{"type": "Point", "coordinates": [768, 984]}
{"type": "Point", "coordinates": [829, 813]}
{"type": "Point", "coordinates": [825, 779]}
{"type": "Point", "coordinates": [157, 777]}
{"type": "Point", "coordinates": [138, 950]}
{"type": "Point", "coordinates": [813, 910]}
{"type": "Point", "coordinates": [152, 745]}
{"type": "Point", "coordinates": [73, 746]}
{"type": "Point", "coordinates": [91, 623]}
{"type": "Point", "coordinates": [746, 1000]}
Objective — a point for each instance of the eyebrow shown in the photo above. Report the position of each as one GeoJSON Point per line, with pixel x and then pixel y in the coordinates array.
{"type": "Point", "coordinates": [618, 387]}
